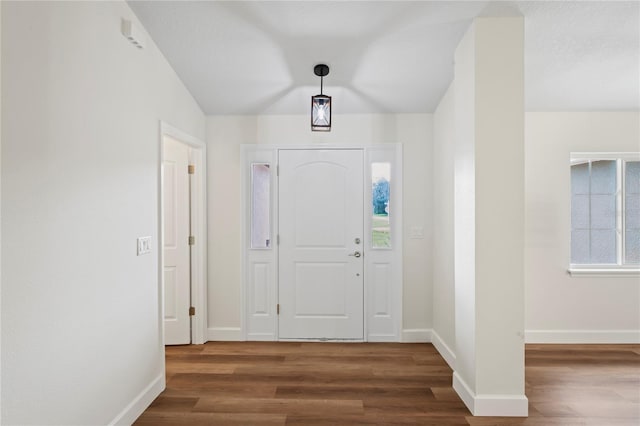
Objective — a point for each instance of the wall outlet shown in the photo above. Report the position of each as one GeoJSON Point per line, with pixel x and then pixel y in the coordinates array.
{"type": "Point", "coordinates": [144, 245]}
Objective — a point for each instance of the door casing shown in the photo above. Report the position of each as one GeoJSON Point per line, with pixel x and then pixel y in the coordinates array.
{"type": "Point", "coordinates": [198, 230]}
{"type": "Point", "coordinates": [259, 267]}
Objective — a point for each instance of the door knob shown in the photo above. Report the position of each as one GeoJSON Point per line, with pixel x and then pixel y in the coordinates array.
{"type": "Point", "coordinates": [356, 254]}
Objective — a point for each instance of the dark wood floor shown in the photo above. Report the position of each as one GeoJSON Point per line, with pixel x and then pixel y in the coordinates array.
{"type": "Point", "coordinates": [249, 383]}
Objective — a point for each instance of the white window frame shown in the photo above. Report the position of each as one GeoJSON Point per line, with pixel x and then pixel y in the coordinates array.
{"type": "Point", "coordinates": [620, 268]}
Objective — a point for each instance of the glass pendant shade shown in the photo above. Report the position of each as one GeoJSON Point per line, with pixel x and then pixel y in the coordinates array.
{"type": "Point", "coordinates": [321, 113]}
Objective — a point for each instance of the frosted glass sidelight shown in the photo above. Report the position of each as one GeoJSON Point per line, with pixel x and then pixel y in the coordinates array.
{"type": "Point", "coordinates": [260, 206]}
{"type": "Point", "coordinates": [632, 212]}
{"type": "Point", "coordinates": [380, 200]}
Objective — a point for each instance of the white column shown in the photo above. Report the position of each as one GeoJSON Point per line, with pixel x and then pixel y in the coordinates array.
{"type": "Point", "coordinates": [489, 218]}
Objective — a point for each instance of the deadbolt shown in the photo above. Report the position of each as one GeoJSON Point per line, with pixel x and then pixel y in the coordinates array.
{"type": "Point", "coordinates": [357, 240]}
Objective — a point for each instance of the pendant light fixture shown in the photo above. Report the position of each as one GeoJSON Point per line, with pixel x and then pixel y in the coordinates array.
{"type": "Point", "coordinates": [321, 104]}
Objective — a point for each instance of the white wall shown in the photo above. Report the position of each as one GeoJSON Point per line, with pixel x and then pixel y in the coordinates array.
{"type": "Point", "coordinates": [489, 217]}
{"type": "Point", "coordinates": [225, 134]}
{"type": "Point", "coordinates": [561, 308]}
{"type": "Point", "coordinates": [0, 217]}
{"type": "Point", "coordinates": [444, 333]}
{"type": "Point", "coordinates": [80, 181]}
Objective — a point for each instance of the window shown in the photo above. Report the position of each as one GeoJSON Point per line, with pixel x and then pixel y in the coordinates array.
{"type": "Point", "coordinates": [605, 211]}
{"type": "Point", "coordinates": [381, 227]}
{"type": "Point", "coordinates": [260, 206]}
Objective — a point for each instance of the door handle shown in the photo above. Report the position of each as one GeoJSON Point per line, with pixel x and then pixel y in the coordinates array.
{"type": "Point", "coordinates": [356, 254]}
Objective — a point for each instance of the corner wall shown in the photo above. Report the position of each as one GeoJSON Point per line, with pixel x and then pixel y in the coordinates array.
{"type": "Point", "coordinates": [225, 134]}
{"type": "Point", "coordinates": [444, 331]}
{"type": "Point", "coordinates": [561, 308]}
{"type": "Point", "coordinates": [81, 106]}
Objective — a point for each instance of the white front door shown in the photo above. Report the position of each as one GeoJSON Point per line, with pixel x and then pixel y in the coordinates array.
{"type": "Point", "coordinates": [176, 210]}
{"type": "Point", "coordinates": [320, 252]}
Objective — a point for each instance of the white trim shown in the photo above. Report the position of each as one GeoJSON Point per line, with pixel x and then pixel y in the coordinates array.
{"type": "Point", "coordinates": [199, 230]}
{"type": "Point", "coordinates": [583, 336]}
{"type": "Point", "coordinates": [578, 157]}
{"type": "Point", "coordinates": [502, 405]}
{"type": "Point", "coordinates": [444, 350]}
{"type": "Point", "coordinates": [140, 403]}
{"type": "Point", "coordinates": [490, 405]}
{"type": "Point", "coordinates": [392, 330]}
{"type": "Point", "coordinates": [261, 337]}
{"type": "Point", "coordinates": [225, 334]}
{"type": "Point", "coordinates": [613, 272]}
{"type": "Point", "coordinates": [416, 335]}
{"type": "Point", "coordinates": [464, 391]}
{"type": "Point", "coordinates": [382, 338]}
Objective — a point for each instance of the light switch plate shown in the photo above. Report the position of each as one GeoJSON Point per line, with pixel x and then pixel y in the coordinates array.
{"type": "Point", "coordinates": [144, 245]}
{"type": "Point", "coordinates": [416, 232]}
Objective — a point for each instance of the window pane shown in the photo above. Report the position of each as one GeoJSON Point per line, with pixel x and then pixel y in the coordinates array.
{"type": "Point", "coordinates": [580, 179]}
{"type": "Point", "coordinates": [632, 212]}
{"type": "Point", "coordinates": [603, 177]}
{"type": "Point", "coordinates": [594, 217]}
{"type": "Point", "coordinates": [260, 206]}
{"type": "Point", "coordinates": [603, 212]}
{"type": "Point", "coordinates": [632, 177]}
{"type": "Point", "coordinates": [633, 246]}
{"type": "Point", "coordinates": [603, 246]}
{"type": "Point", "coordinates": [580, 212]}
{"type": "Point", "coordinates": [580, 246]}
{"type": "Point", "coordinates": [380, 197]}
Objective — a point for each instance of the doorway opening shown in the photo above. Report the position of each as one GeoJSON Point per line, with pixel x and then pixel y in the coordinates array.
{"type": "Point", "coordinates": [182, 246]}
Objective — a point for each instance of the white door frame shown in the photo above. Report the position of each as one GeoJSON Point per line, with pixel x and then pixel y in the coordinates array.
{"type": "Point", "coordinates": [382, 320]}
{"type": "Point", "coordinates": [198, 229]}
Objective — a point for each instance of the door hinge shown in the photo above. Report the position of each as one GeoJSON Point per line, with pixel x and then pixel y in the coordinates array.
{"type": "Point", "coordinates": [191, 169]}
{"type": "Point", "coordinates": [192, 240]}
{"type": "Point", "coordinates": [192, 311]}
{"type": "Point", "coordinates": [278, 239]}
{"type": "Point", "coordinates": [277, 170]}
{"type": "Point", "coordinates": [278, 309]}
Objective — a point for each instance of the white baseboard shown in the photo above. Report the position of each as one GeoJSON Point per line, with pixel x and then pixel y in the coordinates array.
{"type": "Point", "coordinates": [224, 334]}
{"type": "Point", "coordinates": [377, 338]}
{"type": "Point", "coordinates": [261, 337]}
{"type": "Point", "coordinates": [416, 335]}
{"type": "Point", "coordinates": [444, 350]}
{"type": "Point", "coordinates": [140, 403]}
{"type": "Point", "coordinates": [582, 336]}
{"type": "Point", "coordinates": [491, 405]}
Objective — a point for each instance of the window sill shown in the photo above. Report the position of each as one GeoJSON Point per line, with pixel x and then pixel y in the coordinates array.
{"type": "Point", "coordinates": [603, 272]}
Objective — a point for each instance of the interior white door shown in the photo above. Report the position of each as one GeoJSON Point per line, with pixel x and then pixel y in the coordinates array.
{"type": "Point", "coordinates": [320, 253]}
{"type": "Point", "coordinates": [176, 210]}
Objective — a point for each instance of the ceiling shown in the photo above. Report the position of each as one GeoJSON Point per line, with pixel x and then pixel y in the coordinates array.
{"type": "Point", "coordinates": [257, 57]}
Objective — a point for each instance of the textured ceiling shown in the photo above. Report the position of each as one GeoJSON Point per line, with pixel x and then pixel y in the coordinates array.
{"type": "Point", "coordinates": [241, 57]}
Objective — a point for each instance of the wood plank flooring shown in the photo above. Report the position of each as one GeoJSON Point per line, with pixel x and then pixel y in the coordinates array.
{"type": "Point", "coordinates": [256, 383]}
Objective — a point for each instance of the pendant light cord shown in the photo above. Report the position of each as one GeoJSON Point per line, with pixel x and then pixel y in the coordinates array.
{"type": "Point", "coordinates": [321, 80]}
